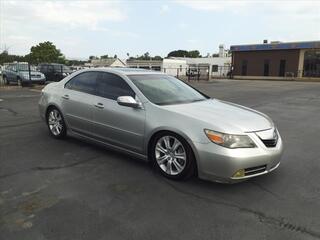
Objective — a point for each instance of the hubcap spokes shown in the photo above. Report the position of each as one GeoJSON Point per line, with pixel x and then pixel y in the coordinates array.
{"type": "Point", "coordinates": [55, 122]}
{"type": "Point", "coordinates": [170, 155]}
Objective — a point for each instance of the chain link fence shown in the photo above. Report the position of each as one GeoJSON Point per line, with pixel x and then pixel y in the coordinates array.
{"type": "Point", "coordinates": [197, 73]}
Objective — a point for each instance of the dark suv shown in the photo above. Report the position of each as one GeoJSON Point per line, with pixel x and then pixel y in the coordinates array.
{"type": "Point", "coordinates": [54, 71]}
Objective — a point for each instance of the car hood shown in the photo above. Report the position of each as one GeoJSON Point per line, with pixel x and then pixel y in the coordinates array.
{"type": "Point", "coordinates": [228, 117]}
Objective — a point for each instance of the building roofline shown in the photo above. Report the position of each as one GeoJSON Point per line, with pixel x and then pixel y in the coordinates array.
{"type": "Point", "coordinates": [276, 46]}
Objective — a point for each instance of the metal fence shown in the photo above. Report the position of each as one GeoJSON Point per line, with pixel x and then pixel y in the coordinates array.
{"type": "Point", "coordinates": [197, 73]}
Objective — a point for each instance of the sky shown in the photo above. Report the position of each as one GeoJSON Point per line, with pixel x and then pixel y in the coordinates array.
{"type": "Point", "coordinates": [83, 28]}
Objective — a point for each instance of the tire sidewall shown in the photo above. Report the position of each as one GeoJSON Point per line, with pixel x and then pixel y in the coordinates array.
{"type": "Point", "coordinates": [189, 169]}
{"type": "Point", "coordinates": [19, 82]}
{"type": "Point", "coordinates": [64, 126]}
{"type": "Point", "coordinates": [5, 80]}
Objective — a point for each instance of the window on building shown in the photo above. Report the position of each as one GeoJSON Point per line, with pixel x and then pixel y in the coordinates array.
{"type": "Point", "coordinates": [311, 67]}
{"type": "Point", "coordinates": [244, 67]}
{"type": "Point", "coordinates": [156, 68]}
{"type": "Point", "coordinates": [145, 67]}
{"type": "Point", "coordinates": [214, 68]}
{"type": "Point", "coordinates": [266, 68]}
{"type": "Point", "coordinates": [282, 68]}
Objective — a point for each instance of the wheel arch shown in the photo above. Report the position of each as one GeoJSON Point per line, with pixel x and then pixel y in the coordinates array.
{"type": "Point", "coordinates": [50, 106]}
{"type": "Point", "coordinates": [155, 133]}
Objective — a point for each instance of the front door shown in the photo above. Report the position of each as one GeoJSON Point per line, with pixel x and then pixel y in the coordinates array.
{"type": "Point", "coordinates": [118, 125]}
{"type": "Point", "coordinates": [78, 101]}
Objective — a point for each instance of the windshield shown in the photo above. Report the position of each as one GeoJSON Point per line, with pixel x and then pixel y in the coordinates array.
{"type": "Point", "coordinates": [24, 67]}
{"type": "Point", "coordinates": [61, 68]}
{"type": "Point", "coordinates": [164, 89]}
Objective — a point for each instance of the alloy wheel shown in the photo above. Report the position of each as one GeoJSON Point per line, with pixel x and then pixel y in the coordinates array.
{"type": "Point", "coordinates": [170, 155]}
{"type": "Point", "coordinates": [5, 81]}
{"type": "Point", "coordinates": [55, 122]}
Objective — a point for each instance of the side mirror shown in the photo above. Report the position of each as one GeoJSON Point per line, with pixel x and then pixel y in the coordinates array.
{"type": "Point", "coordinates": [128, 101]}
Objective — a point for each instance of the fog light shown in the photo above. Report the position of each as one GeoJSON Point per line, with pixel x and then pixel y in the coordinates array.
{"type": "Point", "coordinates": [239, 173]}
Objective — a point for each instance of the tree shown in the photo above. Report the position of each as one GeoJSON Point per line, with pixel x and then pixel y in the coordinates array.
{"type": "Point", "coordinates": [45, 52]}
{"type": "Point", "coordinates": [104, 56]}
{"type": "Point", "coordinates": [146, 56]}
{"type": "Point", "coordinates": [194, 54]}
{"type": "Point", "coordinates": [158, 58]}
{"type": "Point", "coordinates": [179, 53]}
{"type": "Point", "coordinates": [115, 56]}
{"type": "Point", "coordinates": [185, 53]}
{"type": "Point", "coordinates": [5, 57]}
{"type": "Point", "coordinates": [92, 57]}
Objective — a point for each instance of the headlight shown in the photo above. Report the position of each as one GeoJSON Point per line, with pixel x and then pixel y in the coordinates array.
{"type": "Point", "coordinates": [230, 141]}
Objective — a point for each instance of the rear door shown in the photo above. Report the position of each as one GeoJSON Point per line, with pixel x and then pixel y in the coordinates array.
{"type": "Point", "coordinates": [119, 125]}
{"type": "Point", "coordinates": [78, 101]}
{"type": "Point", "coordinates": [8, 73]}
{"type": "Point", "coordinates": [50, 73]}
{"type": "Point", "coordinates": [12, 72]}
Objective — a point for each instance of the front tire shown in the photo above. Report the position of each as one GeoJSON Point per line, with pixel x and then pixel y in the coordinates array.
{"type": "Point", "coordinates": [172, 156]}
{"type": "Point", "coordinates": [56, 124]}
{"type": "Point", "coordinates": [20, 84]}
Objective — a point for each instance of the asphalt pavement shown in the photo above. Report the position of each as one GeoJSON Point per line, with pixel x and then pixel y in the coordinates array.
{"type": "Point", "coordinates": [73, 189]}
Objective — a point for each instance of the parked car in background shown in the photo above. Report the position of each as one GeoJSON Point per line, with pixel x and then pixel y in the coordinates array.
{"type": "Point", "coordinates": [161, 119]}
{"type": "Point", "coordinates": [54, 71]}
{"type": "Point", "coordinates": [22, 73]}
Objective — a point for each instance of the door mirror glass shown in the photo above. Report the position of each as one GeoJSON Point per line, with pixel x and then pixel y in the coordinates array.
{"type": "Point", "coordinates": [128, 101]}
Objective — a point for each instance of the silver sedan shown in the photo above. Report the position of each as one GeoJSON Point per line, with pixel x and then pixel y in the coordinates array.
{"type": "Point", "coordinates": [161, 119]}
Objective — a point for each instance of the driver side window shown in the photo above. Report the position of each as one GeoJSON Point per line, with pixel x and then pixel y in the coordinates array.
{"type": "Point", "coordinates": [112, 86]}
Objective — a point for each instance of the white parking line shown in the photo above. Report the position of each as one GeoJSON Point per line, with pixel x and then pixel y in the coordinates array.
{"type": "Point", "coordinates": [1, 100]}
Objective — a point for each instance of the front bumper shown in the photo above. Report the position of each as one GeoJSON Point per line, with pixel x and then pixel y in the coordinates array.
{"type": "Point", "coordinates": [34, 80]}
{"type": "Point", "coordinates": [220, 164]}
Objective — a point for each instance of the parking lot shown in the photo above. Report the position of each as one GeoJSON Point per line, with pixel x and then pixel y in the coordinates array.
{"type": "Point", "coordinates": [71, 189]}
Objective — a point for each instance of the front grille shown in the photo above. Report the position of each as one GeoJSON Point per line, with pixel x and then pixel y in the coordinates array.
{"type": "Point", "coordinates": [270, 142]}
{"type": "Point", "coordinates": [35, 75]}
{"type": "Point", "coordinates": [254, 170]}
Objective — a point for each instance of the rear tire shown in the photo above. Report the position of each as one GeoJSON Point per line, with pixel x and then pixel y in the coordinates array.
{"type": "Point", "coordinates": [56, 123]}
{"type": "Point", "coordinates": [5, 80]}
{"type": "Point", "coordinates": [172, 156]}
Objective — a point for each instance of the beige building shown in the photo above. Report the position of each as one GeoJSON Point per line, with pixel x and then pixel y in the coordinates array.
{"type": "Point", "coordinates": [106, 62]}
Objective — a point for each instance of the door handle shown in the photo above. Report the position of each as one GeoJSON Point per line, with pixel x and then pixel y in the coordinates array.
{"type": "Point", "coordinates": [66, 96]}
{"type": "Point", "coordinates": [99, 105]}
